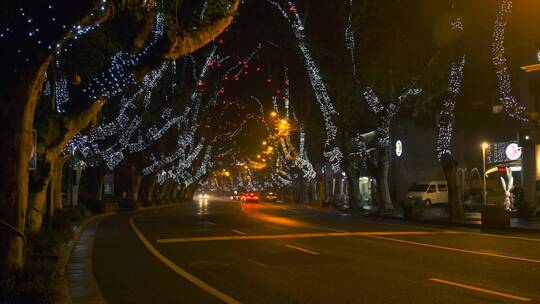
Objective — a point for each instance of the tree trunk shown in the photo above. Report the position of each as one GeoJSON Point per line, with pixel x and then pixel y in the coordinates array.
{"type": "Point", "coordinates": [135, 186]}
{"type": "Point", "coordinates": [383, 187]}
{"type": "Point", "coordinates": [351, 189]}
{"type": "Point", "coordinates": [49, 205]}
{"type": "Point", "coordinates": [450, 166]}
{"type": "Point", "coordinates": [56, 182]}
{"type": "Point", "coordinates": [164, 189]}
{"type": "Point", "coordinates": [100, 185]}
{"type": "Point", "coordinates": [42, 189]}
{"type": "Point", "coordinates": [36, 209]}
{"type": "Point", "coordinates": [150, 189]}
{"type": "Point", "coordinates": [18, 99]}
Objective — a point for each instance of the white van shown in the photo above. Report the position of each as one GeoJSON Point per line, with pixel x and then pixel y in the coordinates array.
{"type": "Point", "coordinates": [432, 192]}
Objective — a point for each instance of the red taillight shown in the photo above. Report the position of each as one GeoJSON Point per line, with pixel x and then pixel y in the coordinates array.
{"type": "Point", "coordinates": [256, 197]}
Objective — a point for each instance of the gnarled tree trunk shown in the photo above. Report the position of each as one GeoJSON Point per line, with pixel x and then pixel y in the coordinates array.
{"type": "Point", "coordinates": [450, 166]}
{"type": "Point", "coordinates": [383, 187]}
{"type": "Point", "coordinates": [18, 99]}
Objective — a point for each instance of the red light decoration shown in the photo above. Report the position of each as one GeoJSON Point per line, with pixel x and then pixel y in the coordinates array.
{"type": "Point", "coordinates": [269, 80]}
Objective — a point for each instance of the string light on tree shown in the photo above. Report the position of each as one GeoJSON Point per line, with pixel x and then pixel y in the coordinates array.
{"type": "Point", "coordinates": [511, 105]}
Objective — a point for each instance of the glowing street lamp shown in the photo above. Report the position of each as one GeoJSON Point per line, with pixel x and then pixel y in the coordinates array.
{"type": "Point", "coordinates": [273, 114]}
{"type": "Point", "coordinates": [283, 127]}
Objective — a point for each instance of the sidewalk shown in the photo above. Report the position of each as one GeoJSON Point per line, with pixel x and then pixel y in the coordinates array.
{"type": "Point", "coordinates": [438, 215]}
{"type": "Point", "coordinates": [83, 288]}
{"type": "Point", "coordinates": [79, 275]}
{"type": "Point", "coordinates": [435, 216]}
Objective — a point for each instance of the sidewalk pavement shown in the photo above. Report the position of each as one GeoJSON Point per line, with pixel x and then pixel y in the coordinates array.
{"type": "Point", "coordinates": [83, 288]}
{"type": "Point", "coordinates": [438, 215]}
{"type": "Point", "coordinates": [435, 216]}
{"type": "Point", "coordinates": [79, 275]}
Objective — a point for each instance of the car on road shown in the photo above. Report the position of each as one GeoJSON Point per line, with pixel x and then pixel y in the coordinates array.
{"type": "Point", "coordinates": [430, 192]}
{"type": "Point", "coordinates": [250, 197]}
{"type": "Point", "coordinates": [203, 196]}
{"type": "Point", "coordinates": [271, 197]}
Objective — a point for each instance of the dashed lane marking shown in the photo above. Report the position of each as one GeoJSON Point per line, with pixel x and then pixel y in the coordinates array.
{"type": "Point", "coordinates": [457, 249]}
{"type": "Point", "coordinates": [291, 236]}
{"type": "Point", "coordinates": [186, 275]}
{"type": "Point", "coordinates": [302, 249]}
{"type": "Point", "coordinates": [238, 231]}
{"type": "Point", "coordinates": [482, 290]}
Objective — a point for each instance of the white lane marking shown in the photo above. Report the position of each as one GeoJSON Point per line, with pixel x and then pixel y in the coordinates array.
{"type": "Point", "coordinates": [238, 231]}
{"type": "Point", "coordinates": [186, 275]}
{"type": "Point", "coordinates": [302, 249]}
{"type": "Point", "coordinates": [508, 257]}
{"type": "Point", "coordinates": [506, 236]}
{"type": "Point", "coordinates": [483, 290]}
{"type": "Point", "coordinates": [290, 236]}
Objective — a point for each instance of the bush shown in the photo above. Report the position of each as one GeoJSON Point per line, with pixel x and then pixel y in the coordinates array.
{"type": "Point", "coordinates": [71, 215]}
{"type": "Point", "coordinates": [493, 208]}
{"type": "Point", "coordinates": [95, 205]}
{"type": "Point", "coordinates": [413, 208]}
{"type": "Point", "coordinates": [83, 211]}
{"type": "Point", "coordinates": [61, 220]}
{"type": "Point", "coordinates": [34, 284]}
{"type": "Point", "coordinates": [48, 241]}
{"type": "Point", "coordinates": [148, 203]}
{"type": "Point", "coordinates": [128, 204]}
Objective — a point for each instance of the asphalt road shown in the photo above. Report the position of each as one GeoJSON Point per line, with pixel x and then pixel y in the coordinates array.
{"type": "Point", "coordinates": [228, 252]}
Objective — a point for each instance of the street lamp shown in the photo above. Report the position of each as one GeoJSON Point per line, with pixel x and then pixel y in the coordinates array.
{"type": "Point", "coordinates": [273, 114]}
{"type": "Point", "coordinates": [484, 147]}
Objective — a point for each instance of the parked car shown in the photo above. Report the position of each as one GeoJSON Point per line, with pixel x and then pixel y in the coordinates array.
{"type": "Point", "coordinates": [431, 192]}
{"type": "Point", "coordinates": [250, 197]}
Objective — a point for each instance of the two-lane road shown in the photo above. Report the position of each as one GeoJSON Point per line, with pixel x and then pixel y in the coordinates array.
{"type": "Point", "coordinates": [223, 251]}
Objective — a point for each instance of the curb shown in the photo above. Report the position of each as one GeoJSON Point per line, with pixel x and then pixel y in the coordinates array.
{"type": "Point", "coordinates": [421, 221]}
{"type": "Point", "coordinates": [65, 257]}
{"type": "Point", "coordinates": [457, 224]}
{"type": "Point", "coordinates": [64, 295]}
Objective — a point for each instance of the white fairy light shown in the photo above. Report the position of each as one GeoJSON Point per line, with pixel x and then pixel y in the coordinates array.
{"type": "Point", "coordinates": [446, 123]}
{"type": "Point", "coordinates": [46, 86]}
{"type": "Point", "coordinates": [62, 94]}
{"type": "Point", "coordinates": [511, 105]}
{"type": "Point", "coordinates": [332, 152]}
{"type": "Point", "coordinates": [350, 42]}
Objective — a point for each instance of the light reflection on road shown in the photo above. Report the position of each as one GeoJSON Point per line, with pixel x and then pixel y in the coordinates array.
{"type": "Point", "coordinates": [203, 207]}
{"type": "Point", "coordinates": [257, 211]}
